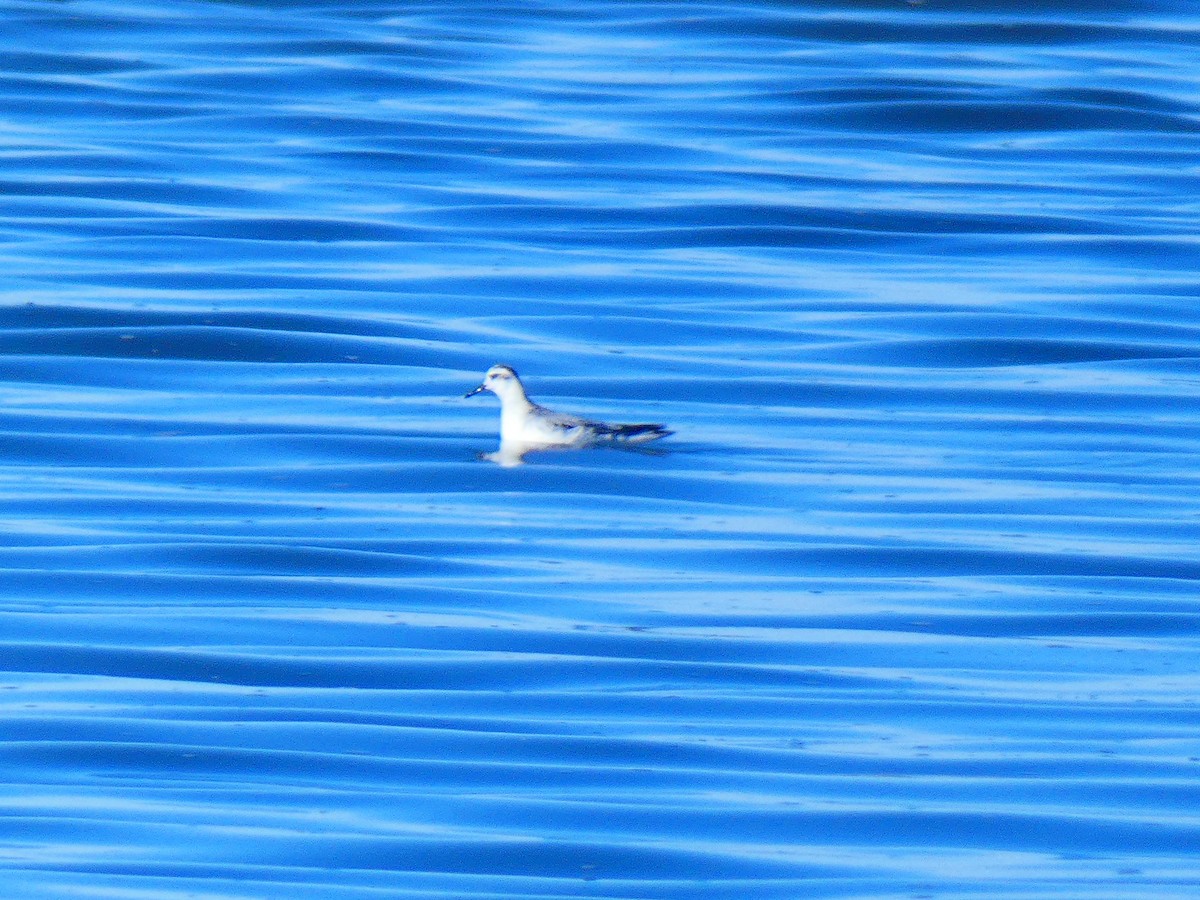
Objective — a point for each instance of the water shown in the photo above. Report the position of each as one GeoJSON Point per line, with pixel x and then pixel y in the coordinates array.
{"type": "Point", "coordinates": [907, 607]}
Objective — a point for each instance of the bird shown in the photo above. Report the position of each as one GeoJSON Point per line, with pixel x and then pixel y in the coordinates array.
{"type": "Point", "coordinates": [527, 425]}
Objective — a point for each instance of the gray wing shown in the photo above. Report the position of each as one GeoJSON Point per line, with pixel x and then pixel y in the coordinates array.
{"type": "Point", "coordinates": [602, 430]}
{"type": "Point", "coordinates": [558, 419]}
{"type": "Point", "coordinates": [634, 434]}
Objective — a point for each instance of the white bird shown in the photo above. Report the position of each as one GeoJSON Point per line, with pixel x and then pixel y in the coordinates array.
{"type": "Point", "coordinates": [525, 425]}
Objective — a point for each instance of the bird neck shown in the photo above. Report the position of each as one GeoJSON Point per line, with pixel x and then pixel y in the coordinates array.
{"type": "Point", "coordinates": [514, 399]}
{"type": "Point", "coordinates": [515, 404]}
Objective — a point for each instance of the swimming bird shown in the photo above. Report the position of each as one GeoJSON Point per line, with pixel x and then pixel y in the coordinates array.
{"type": "Point", "coordinates": [529, 425]}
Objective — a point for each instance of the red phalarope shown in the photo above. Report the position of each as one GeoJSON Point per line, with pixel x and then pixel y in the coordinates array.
{"type": "Point", "coordinates": [525, 425]}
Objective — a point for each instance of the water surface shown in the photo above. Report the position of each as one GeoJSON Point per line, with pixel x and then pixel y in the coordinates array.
{"type": "Point", "coordinates": [906, 608]}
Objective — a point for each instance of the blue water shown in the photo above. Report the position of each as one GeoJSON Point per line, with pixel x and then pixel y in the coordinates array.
{"type": "Point", "coordinates": [908, 607]}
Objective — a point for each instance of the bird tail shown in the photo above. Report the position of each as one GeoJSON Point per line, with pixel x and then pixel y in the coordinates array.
{"type": "Point", "coordinates": [635, 434]}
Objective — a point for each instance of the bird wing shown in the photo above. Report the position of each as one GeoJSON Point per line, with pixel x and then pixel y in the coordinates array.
{"type": "Point", "coordinates": [589, 429]}
{"type": "Point", "coordinates": [643, 431]}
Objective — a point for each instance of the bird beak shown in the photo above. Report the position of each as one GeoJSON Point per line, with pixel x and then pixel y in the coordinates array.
{"type": "Point", "coordinates": [478, 390]}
